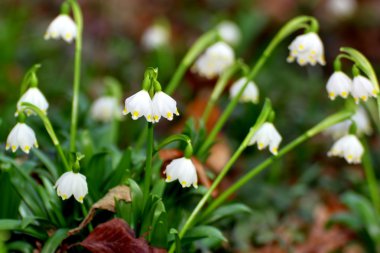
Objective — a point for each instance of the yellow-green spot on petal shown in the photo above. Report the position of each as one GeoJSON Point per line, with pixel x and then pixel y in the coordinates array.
{"type": "Point", "coordinates": [80, 199]}
{"type": "Point", "coordinates": [349, 157]}
{"type": "Point", "coordinates": [156, 117]}
{"type": "Point", "coordinates": [301, 47]}
{"type": "Point", "coordinates": [275, 150]}
{"type": "Point", "coordinates": [14, 148]}
{"type": "Point", "coordinates": [364, 98]}
{"type": "Point", "coordinates": [332, 95]}
{"type": "Point", "coordinates": [149, 117]}
{"type": "Point", "coordinates": [183, 183]}
{"type": "Point", "coordinates": [26, 148]}
{"type": "Point", "coordinates": [261, 145]}
{"type": "Point", "coordinates": [169, 115]}
{"type": "Point", "coordinates": [68, 35]}
{"type": "Point", "coordinates": [135, 114]}
{"type": "Point", "coordinates": [64, 196]}
{"type": "Point", "coordinates": [125, 111]}
{"type": "Point", "coordinates": [313, 52]}
{"type": "Point", "coordinates": [168, 178]}
{"type": "Point", "coordinates": [344, 94]}
{"type": "Point", "coordinates": [7, 146]}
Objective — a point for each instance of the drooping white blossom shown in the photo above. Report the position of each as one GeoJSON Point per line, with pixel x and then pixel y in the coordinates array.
{"type": "Point", "coordinates": [348, 147]}
{"type": "Point", "coordinates": [267, 135]}
{"type": "Point", "coordinates": [71, 183]}
{"type": "Point", "coordinates": [62, 27]}
{"type": "Point", "coordinates": [184, 170]}
{"type": "Point", "coordinates": [250, 93]}
{"type": "Point", "coordinates": [34, 96]}
{"type": "Point", "coordinates": [105, 109]}
{"type": "Point", "coordinates": [21, 136]}
{"type": "Point", "coordinates": [215, 60]}
{"type": "Point", "coordinates": [341, 8]}
{"type": "Point", "coordinates": [155, 36]}
{"type": "Point", "coordinates": [307, 48]}
{"type": "Point", "coordinates": [138, 105]}
{"type": "Point", "coordinates": [229, 32]}
{"type": "Point", "coordinates": [339, 84]}
{"type": "Point", "coordinates": [362, 88]}
{"type": "Point", "coordinates": [163, 106]}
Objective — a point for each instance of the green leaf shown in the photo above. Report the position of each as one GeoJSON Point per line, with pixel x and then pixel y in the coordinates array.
{"type": "Point", "coordinates": [226, 212]}
{"type": "Point", "coordinates": [158, 236]}
{"type": "Point", "coordinates": [96, 171]}
{"type": "Point", "coordinates": [54, 241]}
{"type": "Point", "coordinates": [121, 171]}
{"type": "Point", "coordinates": [203, 232]}
{"type": "Point", "coordinates": [20, 246]}
{"type": "Point", "coordinates": [174, 233]}
{"type": "Point", "coordinates": [10, 200]}
{"type": "Point", "coordinates": [17, 225]}
{"type": "Point", "coordinates": [137, 202]}
{"type": "Point", "coordinates": [347, 219]}
{"type": "Point", "coordinates": [124, 211]}
{"type": "Point", "coordinates": [49, 164]}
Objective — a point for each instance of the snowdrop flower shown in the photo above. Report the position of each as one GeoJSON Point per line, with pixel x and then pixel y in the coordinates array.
{"type": "Point", "coordinates": [184, 170]}
{"type": "Point", "coordinates": [267, 135]}
{"type": "Point", "coordinates": [155, 36]}
{"type": "Point", "coordinates": [342, 8]}
{"type": "Point", "coordinates": [339, 84]}
{"type": "Point", "coordinates": [348, 147]}
{"type": "Point", "coordinates": [229, 32]}
{"type": "Point", "coordinates": [339, 129]}
{"type": "Point", "coordinates": [215, 60]}
{"type": "Point", "coordinates": [307, 48]}
{"type": "Point", "coordinates": [105, 109]}
{"type": "Point", "coordinates": [163, 105]}
{"type": "Point", "coordinates": [21, 136]}
{"type": "Point", "coordinates": [362, 88]}
{"type": "Point", "coordinates": [139, 105]}
{"type": "Point", "coordinates": [71, 183]}
{"type": "Point", "coordinates": [250, 94]}
{"type": "Point", "coordinates": [34, 96]}
{"type": "Point", "coordinates": [62, 27]}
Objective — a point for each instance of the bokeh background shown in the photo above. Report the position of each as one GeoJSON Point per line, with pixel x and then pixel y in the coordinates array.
{"type": "Point", "coordinates": [294, 199]}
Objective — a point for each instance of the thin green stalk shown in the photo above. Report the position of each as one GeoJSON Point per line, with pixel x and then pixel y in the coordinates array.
{"type": "Point", "coordinates": [148, 166]}
{"type": "Point", "coordinates": [324, 124]}
{"type": "Point", "coordinates": [199, 46]}
{"type": "Point", "coordinates": [77, 70]}
{"type": "Point", "coordinates": [261, 119]}
{"type": "Point", "coordinates": [371, 178]}
{"type": "Point", "coordinates": [50, 130]}
{"type": "Point", "coordinates": [292, 26]}
{"type": "Point", "coordinates": [219, 87]}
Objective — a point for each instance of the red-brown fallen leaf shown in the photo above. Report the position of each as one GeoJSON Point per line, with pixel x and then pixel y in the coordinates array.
{"type": "Point", "coordinates": [115, 236]}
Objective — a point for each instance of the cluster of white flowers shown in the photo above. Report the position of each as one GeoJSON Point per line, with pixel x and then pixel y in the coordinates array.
{"type": "Point", "coordinates": [62, 27]}
{"type": "Point", "coordinates": [307, 48]}
{"type": "Point", "coordinates": [250, 93]}
{"type": "Point", "coordinates": [361, 88]}
{"type": "Point", "coordinates": [215, 60]}
{"type": "Point", "coordinates": [267, 135]}
{"type": "Point", "coordinates": [141, 104]}
{"type": "Point", "coordinates": [184, 170]}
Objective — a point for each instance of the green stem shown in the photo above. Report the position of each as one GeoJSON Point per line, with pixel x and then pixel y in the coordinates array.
{"type": "Point", "coordinates": [371, 178]}
{"type": "Point", "coordinates": [50, 130]}
{"type": "Point", "coordinates": [290, 27]}
{"type": "Point", "coordinates": [199, 46]}
{"type": "Point", "coordinates": [261, 119]}
{"type": "Point", "coordinates": [324, 124]}
{"type": "Point", "coordinates": [219, 87]}
{"type": "Point", "coordinates": [173, 138]}
{"type": "Point", "coordinates": [77, 70]}
{"type": "Point", "coordinates": [148, 166]}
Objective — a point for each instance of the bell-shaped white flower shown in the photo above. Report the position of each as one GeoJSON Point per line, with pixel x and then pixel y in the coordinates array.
{"type": "Point", "coordinates": [163, 106]}
{"type": "Point", "coordinates": [215, 60]}
{"type": "Point", "coordinates": [307, 48]}
{"type": "Point", "coordinates": [339, 84]}
{"type": "Point", "coordinates": [267, 135]}
{"type": "Point", "coordinates": [348, 147]}
{"type": "Point", "coordinates": [250, 93]}
{"type": "Point", "coordinates": [362, 88]}
{"type": "Point", "coordinates": [139, 104]}
{"type": "Point", "coordinates": [105, 109]}
{"type": "Point", "coordinates": [155, 36]}
{"type": "Point", "coordinates": [341, 8]}
{"type": "Point", "coordinates": [62, 27]}
{"type": "Point", "coordinates": [184, 170]}
{"type": "Point", "coordinates": [71, 183]}
{"type": "Point", "coordinates": [21, 136]}
{"type": "Point", "coordinates": [229, 32]}
{"type": "Point", "coordinates": [34, 96]}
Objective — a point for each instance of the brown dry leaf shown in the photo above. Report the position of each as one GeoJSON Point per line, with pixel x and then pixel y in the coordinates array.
{"type": "Point", "coordinates": [220, 153]}
{"type": "Point", "coordinates": [120, 192]}
{"type": "Point", "coordinates": [115, 236]}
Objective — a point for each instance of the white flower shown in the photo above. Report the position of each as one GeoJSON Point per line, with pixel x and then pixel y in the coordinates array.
{"type": "Point", "coordinates": [139, 104]}
{"type": "Point", "coordinates": [339, 129]}
{"type": "Point", "coordinates": [62, 27]}
{"type": "Point", "coordinates": [215, 60]}
{"type": "Point", "coordinates": [71, 183]}
{"type": "Point", "coordinates": [34, 96]}
{"type": "Point", "coordinates": [184, 170]}
{"type": "Point", "coordinates": [250, 93]}
{"type": "Point", "coordinates": [348, 147]}
{"type": "Point", "coordinates": [163, 105]}
{"type": "Point", "coordinates": [21, 136]}
{"type": "Point", "coordinates": [307, 48]}
{"type": "Point", "coordinates": [362, 88]}
{"type": "Point", "coordinates": [105, 109]}
{"type": "Point", "coordinates": [267, 135]}
{"type": "Point", "coordinates": [155, 36]}
{"type": "Point", "coordinates": [229, 32]}
{"type": "Point", "coordinates": [339, 84]}
{"type": "Point", "coordinates": [341, 8]}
